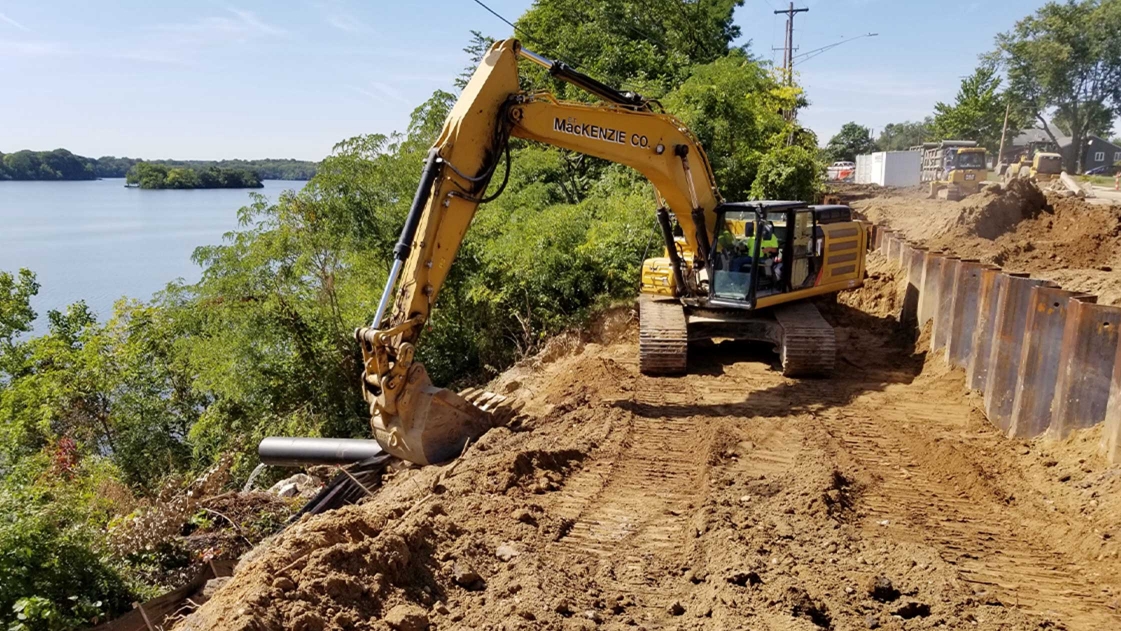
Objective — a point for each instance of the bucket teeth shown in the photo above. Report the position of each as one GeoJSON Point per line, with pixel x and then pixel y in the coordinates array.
{"type": "Point", "coordinates": [501, 408]}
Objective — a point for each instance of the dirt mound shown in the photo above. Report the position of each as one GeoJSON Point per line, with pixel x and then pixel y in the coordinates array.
{"type": "Point", "coordinates": [1069, 240]}
{"type": "Point", "coordinates": [728, 498]}
{"type": "Point", "coordinates": [995, 211]}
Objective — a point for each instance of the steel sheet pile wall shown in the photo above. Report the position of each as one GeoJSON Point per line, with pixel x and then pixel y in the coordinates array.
{"type": "Point", "coordinates": [1039, 368]}
{"type": "Point", "coordinates": [1085, 365]}
{"type": "Point", "coordinates": [909, 312]}
{"type": "Point", "coordinates": [928, 288]}
{"type": "Point", "coordinates": [966, 305]}
{"type": "Point", "coordinates": [1003, 367]}
{"type": "Point", "coordinates": [1046, 359]}
{"type": "Point", "coordinates": [943, 309]}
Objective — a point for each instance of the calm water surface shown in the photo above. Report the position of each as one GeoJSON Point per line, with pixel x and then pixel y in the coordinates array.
{"type": "Point", "coordinates": [99, 241]}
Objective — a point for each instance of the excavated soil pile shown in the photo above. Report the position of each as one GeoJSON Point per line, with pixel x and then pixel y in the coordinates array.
{"type": "Point", "coordinates": [730, 498]}
{"type": "Point", "coordinates": [1068, 240]}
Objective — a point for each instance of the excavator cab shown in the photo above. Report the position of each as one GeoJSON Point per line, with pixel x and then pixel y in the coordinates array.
{"type": "Point", "coordinates": [764, 249]}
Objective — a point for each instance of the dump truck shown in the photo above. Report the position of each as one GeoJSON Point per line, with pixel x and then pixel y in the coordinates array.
{"type": "Point", "coordinates": [953, 169]}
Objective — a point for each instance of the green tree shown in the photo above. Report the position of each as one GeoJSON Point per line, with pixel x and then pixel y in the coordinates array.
{"type": "Point", "coordinates": [903, 136]}
{"type": "Point", "coordinates": [1065, 60]}
{"type": "Point", "coordinates": [978, 110]}
{"type": "Point", "coordinates": [16, 314]}
{"type": "Point", "coordinates": [645, 47]}
{"type": "Point", "coordinates": [791, 173]}
{"type": "Point", "coordinates": [853, 140]}
{"type": "Point", "coordinates": [733, 105]}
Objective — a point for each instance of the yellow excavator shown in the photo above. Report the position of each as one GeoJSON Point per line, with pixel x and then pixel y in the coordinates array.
{"type": "Point", "coordinates": [730, 270]}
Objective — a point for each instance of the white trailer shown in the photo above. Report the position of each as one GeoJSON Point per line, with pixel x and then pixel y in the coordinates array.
{"type": "Point", "coordinates": [889, 168]}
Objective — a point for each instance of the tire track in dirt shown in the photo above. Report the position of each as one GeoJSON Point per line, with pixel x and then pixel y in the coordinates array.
{"type": "Point", "coordinates": [632, 511]}
{"type": "Point", "coordinates": [991, 552]}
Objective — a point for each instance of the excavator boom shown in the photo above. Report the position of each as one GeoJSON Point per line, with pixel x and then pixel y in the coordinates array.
{"type": "Point", "coordinates": [719, 278]}
{"type": "Point", "coordinates": [412, 418]}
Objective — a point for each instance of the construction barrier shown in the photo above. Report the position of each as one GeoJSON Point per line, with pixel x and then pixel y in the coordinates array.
{"type": "Point", "coordinates": [1111, 437]}
{"type": "Point", "coordinates": [943, 309]}
{"type": "Point", "coordinates": [1007, 349]}
{"type": "Point", "coordinates": [909, 311]}
{"type": "Point", "coordinates": [966, 304]}
{"type": "Point", "coordinates": [1047, 360]}
{"type": "Point", "coordinates": [1039, 367]}
{"type": "Point", "coordinates": [1086, 364]}
{"type": "Point", "coordinates": [977, 372]}
{"type": "Point", "coordinates": [928, 293]}
{"type": "Point", "coordinates": [892, 243]}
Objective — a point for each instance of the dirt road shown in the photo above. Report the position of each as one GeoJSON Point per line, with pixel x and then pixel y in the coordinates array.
{"type": "Point", "coordinates": [730, 498]}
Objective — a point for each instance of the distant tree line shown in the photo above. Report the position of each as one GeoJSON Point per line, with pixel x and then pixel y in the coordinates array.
{"type": "Point", "coordinates": [61, 164]}
{"type": "Point", "coordinates": [151, 175]}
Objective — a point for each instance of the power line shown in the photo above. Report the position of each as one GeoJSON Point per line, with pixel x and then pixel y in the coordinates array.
{"type": "Point", "coordinates": [808, 55]}
{"type": "Point", "coordinates": [508, 22]}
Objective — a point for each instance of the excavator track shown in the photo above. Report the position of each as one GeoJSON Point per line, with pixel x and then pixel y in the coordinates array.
{"type": "Point", "coordinates": [663, 337]}
{"type": "Point", "coordinates": [809, 345]}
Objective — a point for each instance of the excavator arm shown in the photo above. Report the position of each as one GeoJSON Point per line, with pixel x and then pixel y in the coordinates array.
{"type": "Point", "coordinates": [411, 418]}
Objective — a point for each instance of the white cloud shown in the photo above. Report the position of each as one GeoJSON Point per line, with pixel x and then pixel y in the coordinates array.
{"type": "Point", "coordinates": [240, 26]}
{"type": "Point", "coordinates": [12, 22]}
{"type": "Point", "coordinates": [382, 93]}
{"type": "Point", "coordinates": [32, 48]}
{"type": "Point", "coordinates": [347, 23]}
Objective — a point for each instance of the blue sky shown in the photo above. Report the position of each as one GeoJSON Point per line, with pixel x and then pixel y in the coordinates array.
{"type": "Point", "coordinates": [254, 79]}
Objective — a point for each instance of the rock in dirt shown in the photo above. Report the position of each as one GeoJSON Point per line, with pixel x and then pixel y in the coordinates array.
{"type": "Point", "coordinates": [802, 605]}
{"type": "Point", "coordinates": [299, 485]}
{"type": "Point", "coordinates": [524, 516]}
{"type": "Point", "coordinates": [880, 588]}
{"type": "Point", "coordinates": [912, 610]}
{"type": "Point", "coordinates": [407, 617]}
{"type": "Point", "coordinates": [745, 579]}
{"type": "Point", "coordinates": [562, 607]}
{"type": "Point", "coordinates": [506, 551]}
{"type": "Point", "coordinates": [467, 578]}
{"type": "Point", "coordinates": [872, 622]}
{"type": "Point", "coordinates": [212, 586]}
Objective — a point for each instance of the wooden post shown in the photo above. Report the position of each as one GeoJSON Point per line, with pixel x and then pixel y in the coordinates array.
{"type": "Point", "coordinates": [1003, 134]}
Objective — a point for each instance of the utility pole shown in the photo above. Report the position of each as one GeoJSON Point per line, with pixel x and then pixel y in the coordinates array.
{"type": "Point", "coordinates": [1003, 134]}
{"type": "Point", "coordinates": [788, 48]}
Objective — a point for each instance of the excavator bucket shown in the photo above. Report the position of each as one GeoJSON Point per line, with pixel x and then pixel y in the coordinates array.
{"type": "Point", "coordinates": [433, 425]}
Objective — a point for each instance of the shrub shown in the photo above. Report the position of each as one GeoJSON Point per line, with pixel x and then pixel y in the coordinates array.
{"type": "Point", "coordinates": [790, 173]}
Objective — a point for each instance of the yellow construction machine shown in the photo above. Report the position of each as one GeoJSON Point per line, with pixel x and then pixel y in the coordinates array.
{"type": "Point", "coordinates": [1042, 168]}
{"type": "Point", "coordinates": [729, 270]}
{"type": "Point", "coordinates": [953, 168]}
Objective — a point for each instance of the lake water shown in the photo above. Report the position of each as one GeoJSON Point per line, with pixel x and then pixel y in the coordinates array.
{"type": "Point", "coordinates": [99, 241]}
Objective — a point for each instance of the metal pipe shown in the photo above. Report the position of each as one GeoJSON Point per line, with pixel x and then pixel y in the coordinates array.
{"type": "Point", "coordinates": [408, 231]}
{"type": "Point", "coordinates": [535, 58]}
{"type": "Point", "coordinates": [564, 72]}
{"type": "Point", "coordinates": [394, 272]}
{"type": "Point", "coordinates": [297, 452]}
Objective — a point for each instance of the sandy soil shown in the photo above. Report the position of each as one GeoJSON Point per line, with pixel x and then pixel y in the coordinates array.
{"type": "Point", "coordinates": [730, 498]}
{"type": "Point", "coordinates": [1071, 241]}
